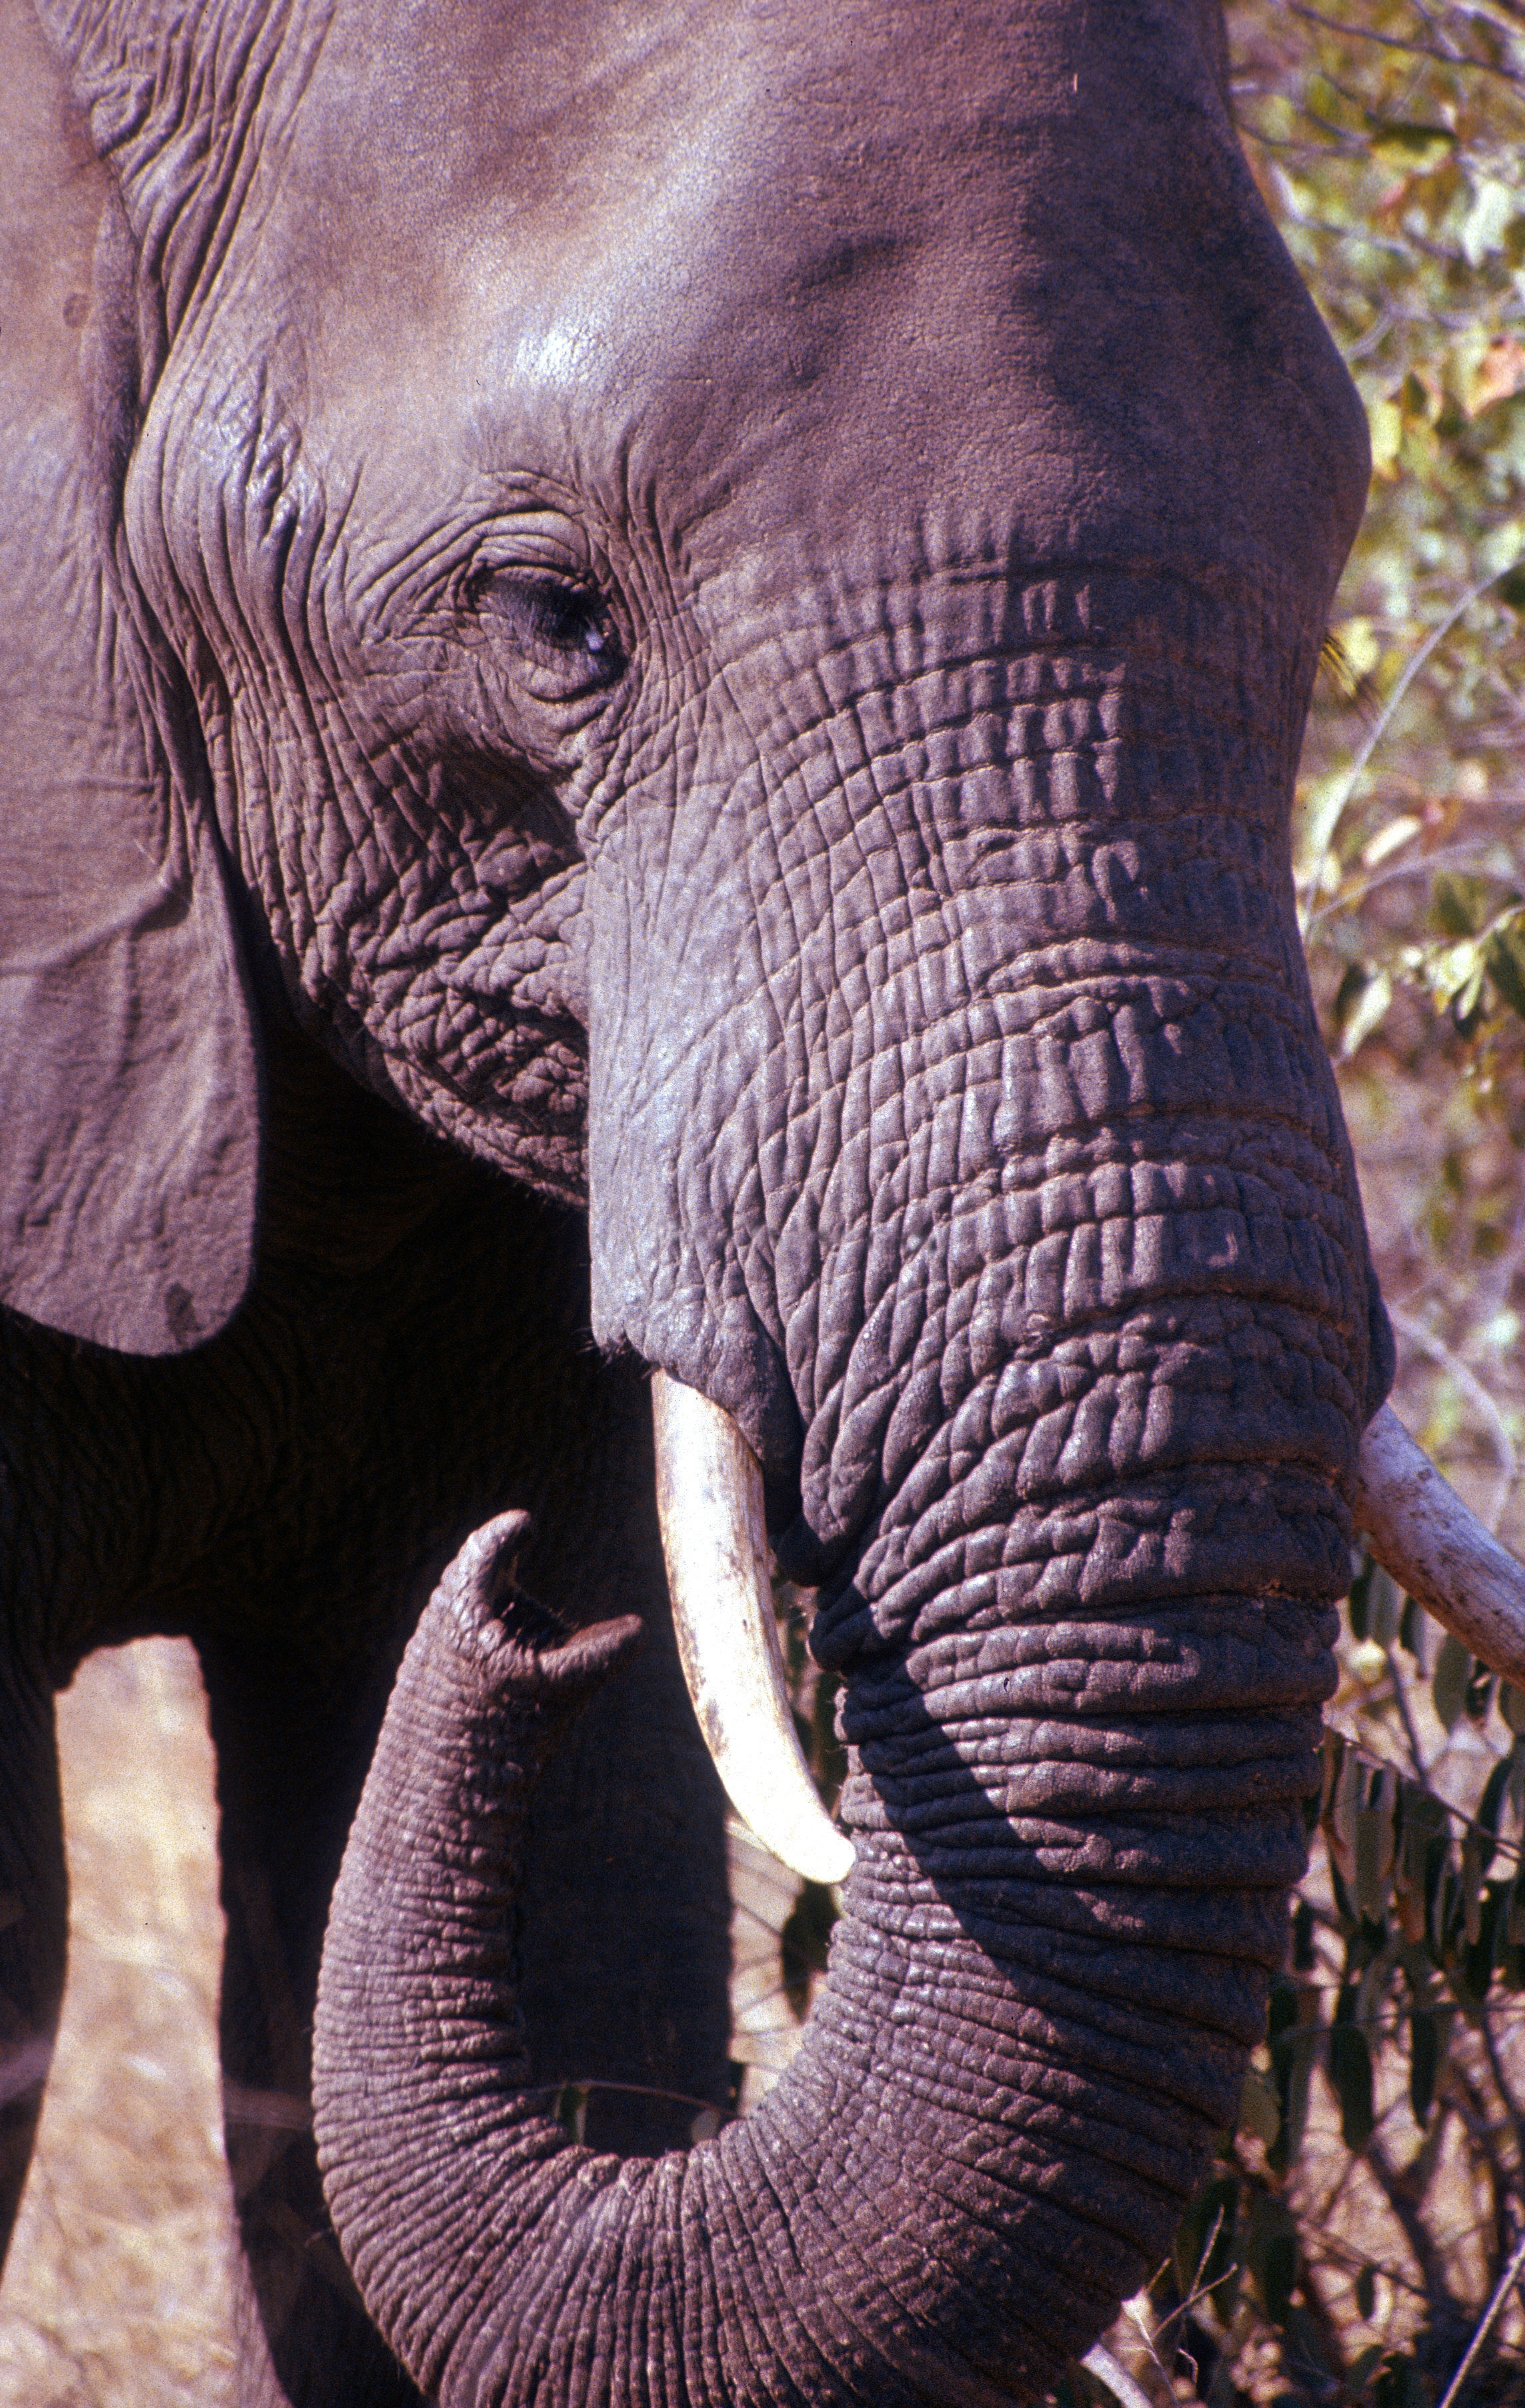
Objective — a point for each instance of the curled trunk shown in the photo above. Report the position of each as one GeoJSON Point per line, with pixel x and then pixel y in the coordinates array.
{"type": "Point", "coordinates": [1074, 1843]}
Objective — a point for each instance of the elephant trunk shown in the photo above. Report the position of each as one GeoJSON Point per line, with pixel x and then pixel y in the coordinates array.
{"type": "Point", "coordinates": [1074, 1842]}
{"type": "Point", "coordinates": [1006, 1207]}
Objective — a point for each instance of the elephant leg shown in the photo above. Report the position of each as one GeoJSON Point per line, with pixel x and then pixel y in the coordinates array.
{"type": "Point", "coordinates": [34, 1912]}
{"type": "Point", "coordinates": [290, 1763]}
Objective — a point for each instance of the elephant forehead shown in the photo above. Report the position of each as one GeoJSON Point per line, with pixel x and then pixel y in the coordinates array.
{"type": "Point", "coordinates": [992, 252]}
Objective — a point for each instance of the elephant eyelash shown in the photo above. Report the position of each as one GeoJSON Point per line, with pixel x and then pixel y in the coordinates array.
{"type": "Point", "coordinates": [557, 626]}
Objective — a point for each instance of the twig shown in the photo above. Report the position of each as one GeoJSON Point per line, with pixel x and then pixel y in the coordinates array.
{"type": "Point", "coordinates": [1446, 58]}
{"type": "Point", "coordinates": [1101, 2362]}
{"type": "Point", "coordinates": [1464, 1378]}
{"type": "Point", "coordinates": [1457, 856]}
{"type": "Point", "coordinates": [1384, 719]}
{"type": "Point", "coordinates": [1490, 2317]}
{"type": "Point", "coordinates": [1383, 323]}
{"type": "Point", "coordinates": [1501, 2081]}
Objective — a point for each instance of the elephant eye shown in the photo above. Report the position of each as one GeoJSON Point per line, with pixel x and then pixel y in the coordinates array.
{"type": "Point", "coordinates": [559, 626]}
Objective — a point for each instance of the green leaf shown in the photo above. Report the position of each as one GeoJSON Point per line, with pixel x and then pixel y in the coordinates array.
{"type": "Point", "coordinates": [1436, 1892]}
{"type": "Point", "coordinates": [1346, 1798]}
{"type": "Point", "coordinates": [1320, 802]}
{"type": "Point", "coordinates": [1472, 1887]}
{"type": "Point", "coordinates": [1360, 1587]}
{"type": "Point", "coordinates": [571, 2111]}
{"type": "Point", "coordinates": [1495, 206]}
{"type": "Point", "coordinates": [1489, 1808]}
{"type": "Point", "coordinates": [1386, 426]}
{"type": "Point", "coordinates": [1459, 905]}
{"type": "Point", "coordinates": [1203, 2249]}
{"type": "Point", "coordinates": [1370, 1888]}
{"type": "Point", "coordinates": [1414, 397]}
{"type": "Point", "coordinates": [1345, 1905]}
{"type": "Point", "coordinates": [802, 1943]}
{"type": "Point", "coordinates": [1295, 2033]}
{"type": "Point", "coordinates": [1259, 2113]}
{"type": "Point", "coordinates": [1476, 1967]}
{"type": "Point", "coordinates": [1514, 1917]}
{"type": "Point", "coordinates": [1366, 1013]}
{"type": "Point", "coordinates": [1373, 1841]}
{"type": "Point", "coordinates": [1350, 2072]}
{"type": "Point", "coordinates": [1449, 1685]}
{"type": "Point", "coordinates": [1271, 2246]}
{"type": "Point", "coordinates": [1292, 2061]}
{"type": "Point", "coordinates": [1503, 957]}
{"type": "Point", "coordinates": [1467, 1005]}
{"type": "Point", "coordinates": [1372, 1986]}
{"type": "Point", "coordinates": [1385, 1606]}
{"type": "Point", "coordinates": [1426, 2051]}
{"type": "Point", "coordinates": [1413, 144]}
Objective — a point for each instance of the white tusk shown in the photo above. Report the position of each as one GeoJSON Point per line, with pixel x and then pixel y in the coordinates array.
{"type": "Point", "coordinates": [1436, 1548]}
{"type": "Point", "coordinates": [710, 1504]}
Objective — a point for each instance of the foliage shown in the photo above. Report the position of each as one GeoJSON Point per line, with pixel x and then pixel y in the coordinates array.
{"type": "Point", "coordinates": [1387, 136]}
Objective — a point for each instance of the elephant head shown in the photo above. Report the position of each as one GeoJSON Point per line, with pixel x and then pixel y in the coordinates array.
{"type": "Point", "coordinates": [725, 597]}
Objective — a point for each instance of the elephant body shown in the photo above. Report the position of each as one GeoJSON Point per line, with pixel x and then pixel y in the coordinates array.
{"type": "Point", "coordinates": [655, 657]}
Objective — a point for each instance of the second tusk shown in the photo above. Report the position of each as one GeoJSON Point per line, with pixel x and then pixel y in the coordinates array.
{"type": "Point", "coordinates": [1436, 1548]}
{"type": "Point", "coordinates": [710, 1504]}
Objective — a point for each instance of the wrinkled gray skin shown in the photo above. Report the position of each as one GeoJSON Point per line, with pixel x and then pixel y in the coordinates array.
{"type": "Point", "coordinates": [716, 601]}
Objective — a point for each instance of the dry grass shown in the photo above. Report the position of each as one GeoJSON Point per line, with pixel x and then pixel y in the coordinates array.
{"type": "Point", "coordinates": [117, 2291]}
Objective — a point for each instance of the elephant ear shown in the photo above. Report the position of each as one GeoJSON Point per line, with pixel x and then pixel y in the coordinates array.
{"type": "Point", "coordinates": [128, 1089]}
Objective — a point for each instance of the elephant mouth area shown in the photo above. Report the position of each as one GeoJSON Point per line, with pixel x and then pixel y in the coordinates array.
{"type": "Point", "coordinates": [1155, 1649]}
{"type": "Point", "coordinates": [972, 1527]}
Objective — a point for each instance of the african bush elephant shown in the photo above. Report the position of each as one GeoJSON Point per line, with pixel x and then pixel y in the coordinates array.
{"type": "Point", "coordinates": [697, 615]}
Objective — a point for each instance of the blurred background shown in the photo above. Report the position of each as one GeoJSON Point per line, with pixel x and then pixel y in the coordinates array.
{"type": "Point", "coordinates": [1362, 2236]}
